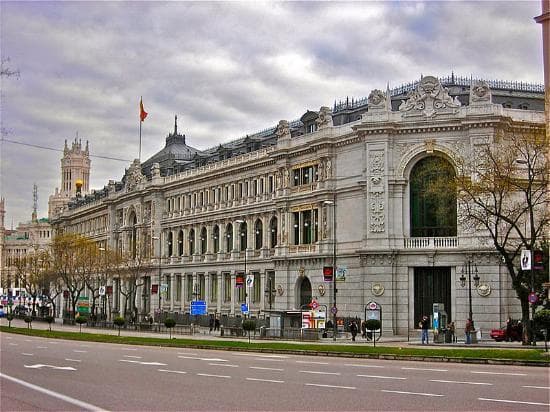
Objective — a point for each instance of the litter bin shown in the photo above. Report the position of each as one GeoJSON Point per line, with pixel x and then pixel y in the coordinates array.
{"type": "Point", "coordinates": [448, 336]}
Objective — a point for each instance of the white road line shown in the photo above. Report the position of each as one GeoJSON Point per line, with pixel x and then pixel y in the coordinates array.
{"type": "Point", "coordinates": [261, 356]}
{"type": "Point", "coordinates": [381, 377]}
{"type": "Point", "coordinates": [413, 393]}
{"type": "Point", "coordinates": [65, 398]}
{"type": "Point", "coordinates": [41, 347]}
{"type": "Point", "coordinates": [72, 360]}
{"type": "Point", "coordinates": [169, 371]}
{"type": "Point", "coordinates": [536, 387]}
{"type": "Point", "coordinates": [85, 346]}
{"type": "Point", "coordinates": [187, 353]}
{"type": "Point", "coordinates": [321, 373]}
{"type": "Point", "coordinates": [53, 343]}
{"type": "Point", "coordinates": [266, 369]}
{"type": "Point", "coordinates": [499, 373]}
{"type": "Point", "coordinates": [264, 380]}
{"type": "Point", "coordinates": [213, 376]}
{"type": "Point", "coordinates": [128, 349]}
{"type": "Point", "coordinates": [509, 401]}
{"type": "Point", "coordinates": [13, 344]}
{"type": "Point", "coordinates": [224, 364]}
{"type": "Point", "coordinates": [40, 366]}
{"type": "Point", "coordinates": [312, 363]}
{"type": "Point", "coordinates": [28, 340]}
{"type": "Point", "coordinates": [268, 359]}
{"type": "Point", "coordinates": [142, 363]}
{"type": "Point", "coordinates": [464, 383]}
{"type": "Point", "coordinates": [79, 351]}
{"type": "Point", "coordinates": [8, 338]}
{"type": "Point", "coordinates": [362, 366]}
{"type": "Point", "coordinates": [27, 354]}
{"type": "Point", "coordinates": [204, 359]}
{"type": "Point", "coordinates": [132, 356]}
{"type": "Point", "coordinates": [426, 369]}
{"type": "Point", "coordinates": [330, 386]}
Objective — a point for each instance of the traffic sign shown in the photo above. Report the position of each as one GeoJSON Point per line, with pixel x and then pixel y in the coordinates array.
{"type": "Point", "coordinates": [244, 308]}
{"type": "Point", "coordinates": [334, 310]}
{"type": "Point", "coordinates": [533, 298]}
{"type": "Point", "coordinates": [102, 291]}
{"type": "Point", "coordinates": [198, 307]}
{"type": "Point", "coordinates": [249, 281]}
{"type": "Point", "coordinates": [525, 260]}
{"type": "Point", "coordinates": [314, 304]}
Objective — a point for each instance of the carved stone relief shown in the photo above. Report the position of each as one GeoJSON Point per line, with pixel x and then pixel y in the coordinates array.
{"type": "Point", "coordinates": [325, 118]}
{"type": "Point", "coordinates": [376, 192]}
{"type": "Point", "coordinates": [480, 93]}
{"type": "Point", "coordinates": [134, 177]}
{"type": "Point", "coordinates": [377, 101]}
{"type": "Point", "coordinates": [283, 130]}
{"type": "Point", "coordinates": [429, 97]}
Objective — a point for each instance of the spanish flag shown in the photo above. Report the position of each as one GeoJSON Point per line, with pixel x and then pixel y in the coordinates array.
{"type": "Point", "coordinates": [142, 113]}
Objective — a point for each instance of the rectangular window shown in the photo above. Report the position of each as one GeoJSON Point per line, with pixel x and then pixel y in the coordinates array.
{"type": "Point", "coordinates": [213, 288]}
{"type": "Point", "coordinates": [227, 287]}
{"type": "Point", "coordinates": [270, 187]}
{"type": "Point", "coordinates": [168, 288]}
{"type": "Point", "coordinates": [257, 288]}
{"type": "Point", "coordinates": [241, 294]}
{"type": "Point", "coordinates": [178, 288]}
{"type": "Point", "coordinates": [202, 287]}
{"type": "Point", "coordinates": [189, 288]}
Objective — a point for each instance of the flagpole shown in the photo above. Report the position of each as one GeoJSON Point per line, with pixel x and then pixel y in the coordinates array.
{"type": "Point", "coordinates": [140, 140]}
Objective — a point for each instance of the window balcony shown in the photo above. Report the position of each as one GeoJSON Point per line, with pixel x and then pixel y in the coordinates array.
{"type": "Point", "coordinates": [449, 242]}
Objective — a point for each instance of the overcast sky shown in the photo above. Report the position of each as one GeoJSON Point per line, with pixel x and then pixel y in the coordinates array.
{"type": "Point", "coordinates": [227, 69]}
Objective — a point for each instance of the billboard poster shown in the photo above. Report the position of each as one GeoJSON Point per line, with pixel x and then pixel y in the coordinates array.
{"type": "Point", "coordinates": [83, 305]}
{"type": "Point", "coordinates": [314, 319]}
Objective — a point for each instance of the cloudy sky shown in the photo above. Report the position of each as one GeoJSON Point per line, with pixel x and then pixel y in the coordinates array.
{"type": "Point", "coordinates": [225, 68]}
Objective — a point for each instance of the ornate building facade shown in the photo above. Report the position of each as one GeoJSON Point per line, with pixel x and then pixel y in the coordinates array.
{"type": "Point", "coordinates": [280, 204]}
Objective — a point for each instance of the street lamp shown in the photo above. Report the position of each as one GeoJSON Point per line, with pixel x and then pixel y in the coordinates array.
{"type": "Point", "coordinates": [158, 290]}
{"type": "Point", "coordinates": [246, 294]}
{"type": "Point", "coordinates": [469, 267]}
{"type": "Point", "coordinates": [334, 309]}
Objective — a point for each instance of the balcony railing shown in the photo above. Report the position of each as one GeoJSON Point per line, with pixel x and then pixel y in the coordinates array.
{"type": "Point", "coordinates": [430, 242]}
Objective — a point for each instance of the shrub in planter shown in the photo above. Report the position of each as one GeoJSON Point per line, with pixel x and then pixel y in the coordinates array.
{"type": "Point", "coordinates": [28, 319]}
{"type": "Point", "coordinates": [373, 324]}
{"type": "Point", "coordinates": [80, 320]}
{"type": "Point", "coordinates": [120, 322]}
{"type": "Point", "coordinates": [249, 325]}
{"type": "Point", "coordinates": [169, 323]}
{"type": "Point", "coordinates": [50, 320]}
{"type": "Point", "coordinates": [542, 320]}
{"type": "Point", "coordinates": [9, 317]}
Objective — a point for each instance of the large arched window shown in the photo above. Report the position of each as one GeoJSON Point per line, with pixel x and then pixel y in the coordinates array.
{"type": "Point", "coordinates": [180, 243]}
{"type": "Point", "coordinates": [133, 235]}
{"type": "Point", "coordinates": [216, 238]}
{"type": "Point", "coordinates": [170, 243]}
{"type": "Point", "coordinates": [192, 242]}
{"type": "Point", "coordinates": [258, 234]}
{"type": "Point", "coordinates": [204, 240]}
{"type": "Point", "coordinates": [229, 238]}
{"type": "Point", "coordinates": [273, 232]}
{"type": "Point", "coordinates": [433, 198]}
{"type": "Point", "coordinates": [242, 234]}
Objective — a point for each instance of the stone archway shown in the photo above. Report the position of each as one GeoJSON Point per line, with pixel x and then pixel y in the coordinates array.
{"type": "Point", "coordinates": [305, 294]}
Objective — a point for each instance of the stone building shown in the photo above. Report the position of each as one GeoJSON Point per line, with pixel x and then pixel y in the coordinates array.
{"type": "Point", "coordinates": [280, 204]}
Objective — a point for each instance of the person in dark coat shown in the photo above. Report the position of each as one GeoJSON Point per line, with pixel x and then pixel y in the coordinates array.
{"type": "Point", "coordinates": [424, 325]}
{"type": "Point", "coordinates": [211, 323]}
{"type": "Point", "coordinates": [353, 330]}
{"type": "Point", "coordinates": [216, 324]}
{"type": "Point", "coordinates": [364, 329]}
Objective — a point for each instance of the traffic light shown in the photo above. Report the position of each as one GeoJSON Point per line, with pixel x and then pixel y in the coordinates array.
{"type": "Point", "coordinates": [328, 273]}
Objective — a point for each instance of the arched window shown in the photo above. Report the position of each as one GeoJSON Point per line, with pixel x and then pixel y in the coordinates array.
{"type": "Point", "coordinates": [433, 198]}
{"type": "Point", "coordinates": [242, 234]}
{"type": "Point", "coordinates": [133, 235]}
{"type": "Point", "coordinates": [170, 243]}
{"type": "Point", "coordinates": [204, 241]}
{"type": "Point", "coordinates": [216, 238]}
{"type": "Point", "coordinates": [229, 238]}
{"type": "Point", "coordinates": [258, 234]}
{"type": "Point", "coordinates": [273, 232]}
{"type": "Point", "coordinates": [192, 242]}
{"type": "Point", "coordinates": [180, 243]}
{"type": "Point", "coordinates": [305, 292]}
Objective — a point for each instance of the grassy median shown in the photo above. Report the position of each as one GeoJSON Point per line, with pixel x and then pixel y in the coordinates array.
{"type": "Point", "coordinates": [531, 356]}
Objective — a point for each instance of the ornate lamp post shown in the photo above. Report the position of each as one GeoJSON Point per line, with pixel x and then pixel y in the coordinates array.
{"type": "Point", "coordinates": [469, 267]}
{"type": "Point", "coordinates": [334, 309]}
{"type": "Point", "coordinates": [246, 294]}
{"type": "Point", "coordinates": [158, 289]}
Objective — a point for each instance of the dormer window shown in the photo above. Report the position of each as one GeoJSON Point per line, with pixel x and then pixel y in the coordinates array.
{"type": "Point", "coordinates": [312, 127]}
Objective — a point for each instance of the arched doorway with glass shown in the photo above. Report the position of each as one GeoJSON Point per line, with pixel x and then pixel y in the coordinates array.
{"type": "Point", "coordinates": [304, 291]}
{"type": "Point", "coordinates": [433, 203]}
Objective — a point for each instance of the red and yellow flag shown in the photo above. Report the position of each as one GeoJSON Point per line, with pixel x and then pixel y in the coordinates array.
{"type": "Point", "coordinates": [142, 113]}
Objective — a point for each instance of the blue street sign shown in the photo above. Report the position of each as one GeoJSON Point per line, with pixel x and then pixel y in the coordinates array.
{"type": "Point", "coordinates": [244, 308]}
{"type": "Point", "coordinates": [198, 307]}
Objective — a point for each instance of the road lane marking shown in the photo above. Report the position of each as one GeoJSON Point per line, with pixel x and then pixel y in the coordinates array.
{"type": "Point", "coordinates": [28, 340]}
{"type": "Point", "coordinates": [40, 366]}
{"type": "Point", "coordinates": [224, 364]}
{"type": "Point", "coordinates": [312, 363]}
{"type": "Point", "coordinates": [41, 347]}
{"type": "Point", "coordinates": [266, 369]}
{"type": "Point", "coordinates": [128, 349]}
{"type": "Point", "coordinates": [169, 371]}
{"type": "Point", "coordinates": [536, 387]}
{"type": "Point", "coordinates": [204, 359]}
{"type": "Point", "coordinates": [187, 353]}
{"type": "Point", "coordinates": [269, 359]}
{"type": "Point", "coordinates": [261, 356]}
{"type": "Point", "coordinates": [53, 343]}
{"type": "Point", "coordinates": [132, 356]}
{"type": "Point", "coordinates": [499, 373]}
{"type": "Point", "coordinates": [330, 386]}
{"type": "Point", "coordinates": [72, 360]}
{"type": "Point", "coordinates": [13, 344]}
{"type": "Point", "coordinates": [321, 373]}
{"type": "Point", "coordinates": [79, 351]}
{"type": "Point", "coordinates": [142, 363]}
{"type": "Point", "coordinates": [85, 346]}
{"type": "Point", "coordinates": [464, 383]}
{"type": "Point", "coordinates": [264, 380]}
{"type": "Point", "coordinates": [413, 393]}
{"type": "Point", "coordinates": [510, 401]}
{"type": "Point", "coordinates": [213, 376]}
{"type": "Point", "coordinates": [27, 354]}
{"type": "Point", "coordinates": [65, 398]}
{"type": "Point", "coordinates": [426, 369]}
{"type": "Point", "coordinates": [363, 366]}
{"type": "Point", "coordinates": [381, 377]}
{"type": "Point", "coordinates": [8, 338]}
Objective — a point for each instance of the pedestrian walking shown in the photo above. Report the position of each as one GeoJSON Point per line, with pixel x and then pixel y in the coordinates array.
{"type": "Point", "coordinates": [468, 330]}
{"type": "Point", "coordinates": [210, 324]}
{"type": "Point", "coordinates": [353, 330]}
{"type": "Point", "coordinates": [424, 324]}
{"type": "Point", "coordinates": [216, 324]}
{"type": "Point", "coordinates": [451, 329]}
{"type": "Point", "coordinates": [364, 329]}
{"type": "Point", "coordinates": [509, 329]}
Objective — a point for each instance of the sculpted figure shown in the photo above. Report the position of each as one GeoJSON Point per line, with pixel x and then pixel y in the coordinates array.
{"type": "Point", "coordinates": [283, 129]}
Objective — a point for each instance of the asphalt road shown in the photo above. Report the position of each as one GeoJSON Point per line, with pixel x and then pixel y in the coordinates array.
{"type": "Point", "coordinates": [44, 374]}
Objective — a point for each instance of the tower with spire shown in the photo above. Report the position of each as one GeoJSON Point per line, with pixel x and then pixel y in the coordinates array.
{"type": "Point", "coordinates": [75, 174]}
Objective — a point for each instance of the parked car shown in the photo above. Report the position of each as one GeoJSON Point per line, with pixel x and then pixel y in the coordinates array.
{"type": "Point", "coordinates": [20, 310]}
{"type": "Point", "coordinates": [515, 334]}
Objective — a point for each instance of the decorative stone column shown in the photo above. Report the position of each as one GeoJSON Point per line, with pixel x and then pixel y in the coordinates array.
{"type": "Point", "coordinates": [233, 297]}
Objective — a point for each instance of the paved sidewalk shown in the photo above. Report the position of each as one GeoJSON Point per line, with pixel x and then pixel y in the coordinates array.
{"type": "Point", "coordinates": [204, 334]}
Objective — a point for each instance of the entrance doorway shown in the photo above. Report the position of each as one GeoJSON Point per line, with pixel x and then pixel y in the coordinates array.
{"type": "Point", "coordinates": [431, 285]}
{"type": "Point", "coordinates": [305, 292]}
